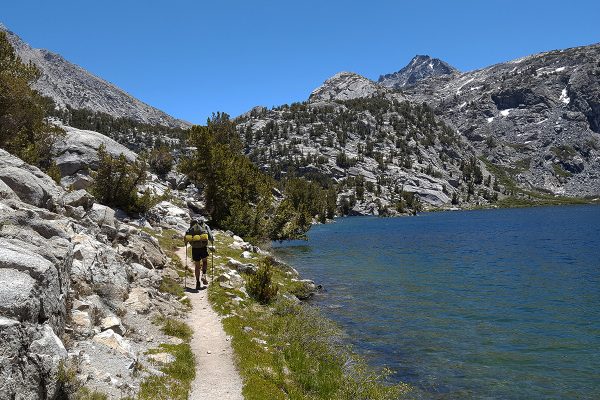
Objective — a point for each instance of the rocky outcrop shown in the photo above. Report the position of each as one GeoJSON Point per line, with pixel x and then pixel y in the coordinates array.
{"type": "Point", "coordinates": [70, 269]}
{"type": "Point", "coordinates": [69, 84]}
{"type": "Point", "coordinates": [27, 183]}
{"type": "Point", "coordinates": [76, 154]}
{"type": "Point", "coordinates": [35, 265]}
{"type": "Point", "coordinates": [420, 67]}
{"type": "Point", "coordinates": [346, 86]}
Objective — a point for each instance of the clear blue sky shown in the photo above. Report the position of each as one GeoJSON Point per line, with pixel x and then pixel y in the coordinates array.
{"type": "Point", "coordinates": [190, 58]}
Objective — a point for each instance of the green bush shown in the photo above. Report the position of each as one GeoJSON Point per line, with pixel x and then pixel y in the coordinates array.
{"type": "Point", "coordinates": [116, 181]}
{"type": "Point", "coordinates": [161, 160]}
{"type": "Point", "coordinates": [260, 285]}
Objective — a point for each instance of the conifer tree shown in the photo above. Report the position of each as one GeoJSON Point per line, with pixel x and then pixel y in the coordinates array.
{"type": "Point", "coordinates": [23, 129]}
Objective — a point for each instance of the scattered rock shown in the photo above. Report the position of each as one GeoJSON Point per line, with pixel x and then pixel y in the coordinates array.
{"type": "Point", "coordinates": [162, 358]}
{"type": "Point", "coordinates": [115, 341]}
{"type": "Point", "coordinates": [79, 198]}
{"type": "Point", "coordinates": [246, 254]}
{"type": "Point", "coordinates": [241, 267]}
{"type": "Point", "coordinates": [114, 323]}
{"type": "Point", "coordinates": [138, 301]}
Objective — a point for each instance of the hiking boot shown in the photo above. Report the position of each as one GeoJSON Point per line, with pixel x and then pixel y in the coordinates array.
{"type": "Point", "coordinates": [204, 280]}
{"type": "Point", "coordinates": [197, 285]}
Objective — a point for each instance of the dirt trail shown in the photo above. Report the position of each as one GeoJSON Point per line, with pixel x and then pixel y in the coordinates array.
{"type": "Point", "coordinates": [216, 374]}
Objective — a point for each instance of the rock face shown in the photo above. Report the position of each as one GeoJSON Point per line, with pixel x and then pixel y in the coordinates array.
{"type": "Point", "coordinates": [346, 86]}
{"type": "Point", "coordinates": [536, 117]}
{"type": "Point", "coordinates": [35, 265]}
{"type": "Point", "coordinates": [69, 267]}
{"type": "Point", "coordinates": [77, 152]}
{"type": "Point", "coordinates": [69, 84]}
{"type": "Point", "coordinates": [386, 155]}
{"type": "Point", "coordinates": [27, 183]}
{"type": "Point", "coordinates": [420, 67]}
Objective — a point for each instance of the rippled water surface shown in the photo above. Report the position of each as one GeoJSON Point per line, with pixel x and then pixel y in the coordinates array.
{"type": "Point", "coordinates": [498, 304]}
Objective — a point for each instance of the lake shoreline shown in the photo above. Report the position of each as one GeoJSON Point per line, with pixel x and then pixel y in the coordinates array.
{"type": "Point", "coordinates": [342, 312]}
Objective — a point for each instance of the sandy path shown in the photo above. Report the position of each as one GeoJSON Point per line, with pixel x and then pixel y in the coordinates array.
{"type": "Point", "coordinates": [216, 375]}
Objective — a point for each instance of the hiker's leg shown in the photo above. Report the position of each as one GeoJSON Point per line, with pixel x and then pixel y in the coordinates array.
{"type": "Point", "coordinates": [204, 268]}
{"type": "Point", "coordinates": [197, 270]}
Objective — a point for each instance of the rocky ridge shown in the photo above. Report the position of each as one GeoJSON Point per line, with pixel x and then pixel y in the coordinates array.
{"type": "Point", "coordinates": [526, 126]}
{"type": "Point", "coordinates": [381, 150]}
{"type": "Point", "coordinates": [537, 117]}
{"type": "Point", "coordinates": [419, 68]}
{"type": "Point", "coordinates": [69, 84]}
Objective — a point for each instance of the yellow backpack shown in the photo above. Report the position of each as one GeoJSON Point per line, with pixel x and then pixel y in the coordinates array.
{"type": "Point", "coordinates": [197, 235]}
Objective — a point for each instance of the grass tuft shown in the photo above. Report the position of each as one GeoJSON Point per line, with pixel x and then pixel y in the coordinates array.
{"type": "Point", "coordinates": [173, 327]}
{"type": "Point", "coordinates": [178, 378]}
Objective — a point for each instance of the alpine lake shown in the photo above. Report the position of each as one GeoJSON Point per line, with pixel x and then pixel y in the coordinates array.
{"type": "Point", "coordinates": [486, 304]}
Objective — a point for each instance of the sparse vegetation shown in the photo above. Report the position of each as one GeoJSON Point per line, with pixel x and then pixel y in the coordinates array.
{"type": "Point", "coordinates": [71, 387]}
{"type": "Point", "coordinates": [260, 285]}
{"type": "Point", "coordinates": [173, 327]}
{"type": "Point", "coordinates": [160, 160]}
{"type": "Point", "coordinates": [116, 183]}
{"type": "Point", "coordinates": [178, 376]}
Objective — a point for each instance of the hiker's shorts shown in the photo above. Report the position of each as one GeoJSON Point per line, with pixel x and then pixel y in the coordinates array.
{"type": "Point", "coordinates": [198, 253]}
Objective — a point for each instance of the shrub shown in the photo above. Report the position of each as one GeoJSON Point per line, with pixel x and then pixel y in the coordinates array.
{"type": "Point", "coordinates": [116, 181]}
{"type": "Point", "coordinates": [260, 285]}
{"type": "Point", "coordinates": [54, 172]}
{"type": "Point", "coordinates": [161, 160]}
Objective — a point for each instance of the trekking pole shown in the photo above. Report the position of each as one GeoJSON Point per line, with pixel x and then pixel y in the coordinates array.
{"type": "Point", "coordinates": [186, 266]}
{"type": "Point", "coordinates": [212, 262]}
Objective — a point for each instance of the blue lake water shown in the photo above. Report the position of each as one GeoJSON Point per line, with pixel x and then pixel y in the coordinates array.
{"type": "Point", "coordinates": [492, 304]}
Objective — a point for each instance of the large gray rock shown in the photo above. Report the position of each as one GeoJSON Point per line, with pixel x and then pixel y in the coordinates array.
{"type": "Point", "coordinates": [346, 86]}
{"type": "Point", "coordinates": [28, 183]}
{"type": "Point", "coordinates": [35, 267]}
{"type": "Point", "coordinates": [77, 151]}
{"type": "Point", "coordinates": [100, 267]}
{"type": "Point", "coordinates": [102, 215]}
{"type": "Point", "coordinates": [145, 250]}
{"type": "Point", "coordinates": [30, 356]}
{"type": "Point", "coordinates": [79, 198]}
{"type": "Point", "coordinates": [36, 276]}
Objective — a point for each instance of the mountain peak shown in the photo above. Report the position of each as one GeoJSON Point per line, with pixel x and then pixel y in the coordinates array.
{"type": "Point", "coordinates": [345, 86]}
{"type": "Point", "coordinates": [420, 67]}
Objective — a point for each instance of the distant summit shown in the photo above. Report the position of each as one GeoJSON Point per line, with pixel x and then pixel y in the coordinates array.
{"type": "Point", "coordinates": [420, 67]}
{"type": "Point", "coordinates": [346, 86]}
{"type": "Point", "coordinates": [69, 84]}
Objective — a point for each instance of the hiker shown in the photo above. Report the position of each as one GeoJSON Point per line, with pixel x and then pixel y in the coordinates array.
{"type": "Point", "coordinates": [198, 236]}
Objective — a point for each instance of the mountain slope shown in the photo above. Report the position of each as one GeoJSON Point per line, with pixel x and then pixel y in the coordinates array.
{"type": "Point", "coordinates": [420, 67]}
{"type": "Point", "coordinates": [522, 131]}
{"type": "Point", "coordinates": [537, 118]}
{"type": "Point", "coordinates": [384, 154]}
{"type": "Point", "coordinates": [69, 84]}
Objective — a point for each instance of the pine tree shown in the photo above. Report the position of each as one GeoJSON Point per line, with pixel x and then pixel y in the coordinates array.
{"type": "Point", "coordinates": [23, 129]}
